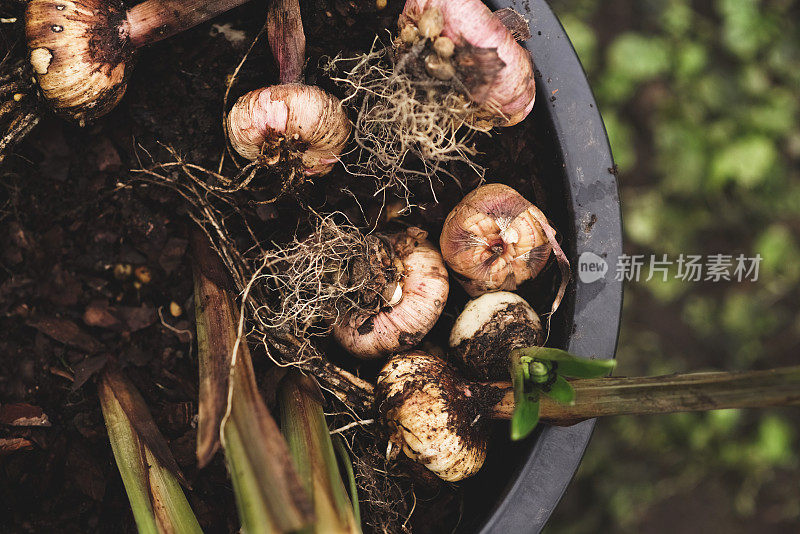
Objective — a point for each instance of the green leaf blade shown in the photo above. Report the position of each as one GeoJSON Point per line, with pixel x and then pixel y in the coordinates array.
{"type": "Point", "coordinates": [524, 419]}
{"type": "Point", "coordinates": [562, 392]}
{"type": "Point", "coordinates": [568, 364]}
{"type": "Point", "coordinates": [526, 402]}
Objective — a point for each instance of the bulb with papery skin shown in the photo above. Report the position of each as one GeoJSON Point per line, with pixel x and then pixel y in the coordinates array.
{"type": "Point", "coordinates": [488, 329]}
{"type": "Point", "coordinates": [80, 54]}
{"type": "Point", "coordinates": [495, 239]}
{"type": "Point", "coordinates": [475, 46]}
{"type": "Point", "coordinates": [432, 415]}
{"type": "Point", "coordinates": [413, 304]}
{"type": "Point", "coordinates": [81, 51]}
{"type": "Point", "coordinates": [291, 123]}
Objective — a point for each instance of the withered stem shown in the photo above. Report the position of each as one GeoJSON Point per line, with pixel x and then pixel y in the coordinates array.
{"type": "Point", "coordinates": [215, 339]}
{"type": "Point", "coordinates": [691, 392]}
{"type": "Point", "coordinates": [353, 391]}
{"type": "Point", "coordinates": [257, 454]}
{"type": "Point", "coordinates": [154, 20]}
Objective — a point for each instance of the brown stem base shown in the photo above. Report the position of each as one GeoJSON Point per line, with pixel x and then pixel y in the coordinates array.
{"type": "Point", "coordinates": [287, 39]}
{"type": "Point", "coordinates": [354, 392]}
{"type": "Point", "coordinates": [154, 20]}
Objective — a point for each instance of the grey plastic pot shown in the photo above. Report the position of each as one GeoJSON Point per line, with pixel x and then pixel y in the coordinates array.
{"type": "Point", "coordinates": [577, 162]}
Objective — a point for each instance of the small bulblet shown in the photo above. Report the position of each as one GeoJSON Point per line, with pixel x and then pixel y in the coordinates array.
{"type": "Point", "coordinates": [494, 240]}
{"type": "Point", "coordinates": [291, 121]}
{"type": "Point", "coordinates": [80, 54]}
{"type": "Point", "coordinates": [432, 415]}
{"type": "Point", "coordinates": [411, 311]}
{"type": "Point", "coordinates": [488, 329]}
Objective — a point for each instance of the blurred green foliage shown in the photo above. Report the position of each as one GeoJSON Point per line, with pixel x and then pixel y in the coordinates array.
{"type": "Point", "coordinates": [701, 102]}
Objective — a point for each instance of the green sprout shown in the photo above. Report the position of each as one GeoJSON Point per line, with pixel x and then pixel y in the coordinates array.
{"type": "Point", "coordinates": [537, 371]}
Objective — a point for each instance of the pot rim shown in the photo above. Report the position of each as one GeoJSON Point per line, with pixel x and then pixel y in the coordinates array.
{"type": "Point", "coordinates": [591, 187]}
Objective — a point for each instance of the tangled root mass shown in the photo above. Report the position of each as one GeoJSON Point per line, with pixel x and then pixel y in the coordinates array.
{"type": "Point", "coordinates": [335, 270]}
{"type": "Point", "coordinates": [408, 125]}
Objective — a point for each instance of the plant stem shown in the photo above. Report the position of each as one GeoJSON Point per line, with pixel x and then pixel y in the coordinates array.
{"type": "Point", "coordinates": [286, 38]}
{"type": "Point", "coordinates": [303, 424]}
{"type": "Point", "coordinates": [144, 461]}
{"type": "Point", "coordinates": [154, 20]}
{"type": "Point", "coordinates": [689, 392]}
{"type": "Point", "coordinates": [269, 493]}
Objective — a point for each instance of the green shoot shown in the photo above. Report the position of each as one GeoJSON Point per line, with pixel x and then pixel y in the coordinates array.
{"type": "Point", "coordinates": [303, 424]}
{"type": "Point", "coordinates": [537, 371]}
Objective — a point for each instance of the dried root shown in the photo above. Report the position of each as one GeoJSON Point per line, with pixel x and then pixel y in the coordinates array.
{"type": "Point", "coordinates": [409, 125]}
{"type": "Point", "coordinates": [334, 271]}
{"type": "Point", "coordinates": [384, 494]}
{"type": "Point", "coordinates": [252, 269]}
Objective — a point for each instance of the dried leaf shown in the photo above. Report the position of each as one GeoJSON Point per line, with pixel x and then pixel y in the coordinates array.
{"type": "Point", "coordinates": [561, 259]}
{"type": "Point", "coordinates": [115, 383]}
{"type": "Point", "coordinates": [9, 445]}
{"type": "Point", "coordinates": [515, 23]}
{"type": "Point", "coordinates": [120, 318]}
{"type": "Point", "coordinates": [86, 368]}
{"type": "Point", "coordinates": [136, 318]}
{"type": "Point", "coordinates": [213, 318]}
{"type": "Point", "coordinates": [66, 332]}
{"type": "Point", "coordinates": [23, 415]}
{"type": "Point", "coordinates": [98, 314]}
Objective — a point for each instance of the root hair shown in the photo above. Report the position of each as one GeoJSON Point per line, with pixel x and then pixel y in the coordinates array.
{"type": "Point", "coordinates": [311, 277]}
{"type": "Point", "coordinates": [221, 216]}
{"type": "Point", "coordinates": [408, 126]}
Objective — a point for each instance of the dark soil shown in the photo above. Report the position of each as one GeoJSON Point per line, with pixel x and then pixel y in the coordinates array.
{"type": "Point", "coordinates": [93, 264]}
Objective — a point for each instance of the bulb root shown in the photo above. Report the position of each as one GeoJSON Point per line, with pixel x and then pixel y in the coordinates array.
{"type": "Point", "coordinates": [411, 123]}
